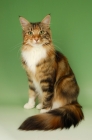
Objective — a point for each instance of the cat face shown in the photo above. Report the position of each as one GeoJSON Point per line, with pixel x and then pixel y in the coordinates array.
{"type": "Point", "coordinates": [36, 33]}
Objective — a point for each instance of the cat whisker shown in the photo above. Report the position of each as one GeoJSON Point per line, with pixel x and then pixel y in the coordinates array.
{"type": "Point", "coordinates": [55, 44]}
{"type": "Point", "coordinates": [15, 46]}
{"type": "Point", "coordinates": [18, 52]}
{"type": "Point", "coordinates": [59, 40]}
{"type": "Point", "coordinates": [53, 51]}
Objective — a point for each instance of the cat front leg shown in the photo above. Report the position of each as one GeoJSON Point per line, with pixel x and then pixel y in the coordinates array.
{"type": "Point", "coordinates": [32, 96]}
{"type": "Point", "coordinates": [39, 106]}
{"type": "Point", "coordinates": [30, 104]}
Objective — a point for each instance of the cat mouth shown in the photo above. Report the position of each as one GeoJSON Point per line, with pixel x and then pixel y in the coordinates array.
{"type": "Point", "coordinates": [36, 43]}
{"type": "Point", "coordinates": [33, 42]}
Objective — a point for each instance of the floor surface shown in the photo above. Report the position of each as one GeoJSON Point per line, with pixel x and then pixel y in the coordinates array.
{"type": "Point", "coordinates": [12, 117]}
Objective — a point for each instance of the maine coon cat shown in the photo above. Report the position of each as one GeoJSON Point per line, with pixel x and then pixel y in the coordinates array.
{"type": "Point", "coordinates": [50, 78]}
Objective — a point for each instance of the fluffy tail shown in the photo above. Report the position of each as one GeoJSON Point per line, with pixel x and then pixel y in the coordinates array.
{"type": "Point", "coordinates": [63, 117]}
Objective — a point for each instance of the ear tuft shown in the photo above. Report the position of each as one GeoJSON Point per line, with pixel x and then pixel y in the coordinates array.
{"type": "Point", "coordinates": [46, 20]}
{"type": "Point", "coordinates": [23, 22]}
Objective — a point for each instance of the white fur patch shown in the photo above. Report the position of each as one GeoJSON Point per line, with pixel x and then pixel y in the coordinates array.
{"type": "Point", "coordinates": [39, 106]}
{"type": "Point", "coordinates": [33, 56]}
{"type": "Point", "coordinates": [30, 104]}
{"type": "Point", "coordinates": [37, 86]}
{"type": "Point", "coordinates": [44, 110]}
{"type": "Point", "coordinates": [56, 104]}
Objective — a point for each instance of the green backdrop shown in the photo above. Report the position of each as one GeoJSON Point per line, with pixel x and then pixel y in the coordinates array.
{"type": "Point", "coordinates": [71, 26]}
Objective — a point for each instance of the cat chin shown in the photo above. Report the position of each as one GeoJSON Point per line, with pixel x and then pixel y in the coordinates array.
{"type": "Point", "coordinates": [37, 45]}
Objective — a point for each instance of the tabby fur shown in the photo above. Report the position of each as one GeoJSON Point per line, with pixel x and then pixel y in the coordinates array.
{"type": "Point", "coordinates": [50, 78]}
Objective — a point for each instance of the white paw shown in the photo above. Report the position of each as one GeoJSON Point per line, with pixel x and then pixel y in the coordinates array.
{"type": "Point", "coordinates": [29, 105]}
{"type": "Point", "coordinates": [39, 106]}
{"type": "Point", "coordinates": [44, 110]}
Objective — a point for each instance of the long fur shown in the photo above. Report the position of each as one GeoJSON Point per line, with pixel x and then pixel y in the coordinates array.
{"type": "Point", "coordinates": [63, 117]}
{"type": "Point", "coordinates": [50, 77]}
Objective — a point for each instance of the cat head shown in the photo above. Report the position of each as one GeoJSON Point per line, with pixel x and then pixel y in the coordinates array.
{"type": "Point", "coordinates": [37, 33]}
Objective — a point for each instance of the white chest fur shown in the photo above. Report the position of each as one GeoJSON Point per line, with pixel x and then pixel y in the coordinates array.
{"type": "Point", "coordinates": [33, 56]}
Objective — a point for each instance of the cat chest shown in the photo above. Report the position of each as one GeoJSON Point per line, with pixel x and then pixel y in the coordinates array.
{"type": "Point", "coordinates": [33, 57]}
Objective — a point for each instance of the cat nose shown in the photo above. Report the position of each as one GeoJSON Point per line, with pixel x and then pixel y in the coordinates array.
{"type": "Point", "coordinates": [36, 39]}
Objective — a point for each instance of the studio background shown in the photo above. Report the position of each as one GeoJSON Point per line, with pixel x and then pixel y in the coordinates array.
{"type": "Point", "coordinates": [71, 25]}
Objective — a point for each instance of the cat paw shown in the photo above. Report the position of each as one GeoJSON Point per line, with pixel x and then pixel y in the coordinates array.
{"type": "Point", "coordinates": [39, 106]}
{"type": "Point", "coordinates": [29, 105]}
{"type": "Point", "coordinates": [44, 110]}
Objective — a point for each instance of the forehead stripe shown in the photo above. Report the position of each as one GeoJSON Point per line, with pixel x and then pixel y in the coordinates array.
{"type": "Point", "coordinates": [35, 25]}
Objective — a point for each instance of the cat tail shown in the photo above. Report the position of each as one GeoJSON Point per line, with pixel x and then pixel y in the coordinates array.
{"type": "Point", "coordinates": [63, 117]}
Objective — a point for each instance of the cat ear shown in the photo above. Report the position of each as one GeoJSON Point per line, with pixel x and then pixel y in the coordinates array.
{"type": "Point", "coordinates": [46, 20]}
{"type": "Point", "coordinates": [23, 22]}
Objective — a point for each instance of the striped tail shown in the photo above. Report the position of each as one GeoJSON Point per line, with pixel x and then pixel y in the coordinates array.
{"type": "Point", "coordinates": [63, 117]}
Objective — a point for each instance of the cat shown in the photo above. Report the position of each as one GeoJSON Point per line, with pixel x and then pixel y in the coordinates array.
{"type": "Point", "coordinates": [50, 78]}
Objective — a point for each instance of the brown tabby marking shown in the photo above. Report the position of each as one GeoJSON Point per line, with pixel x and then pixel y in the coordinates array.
{"type": "Point", "coordinates": [50, 77]}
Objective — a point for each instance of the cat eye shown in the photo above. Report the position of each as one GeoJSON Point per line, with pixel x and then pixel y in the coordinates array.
{"type": "Point", "coordinates": [30, 32]}
{"type": "Point", "coordinates": [41, 32]}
